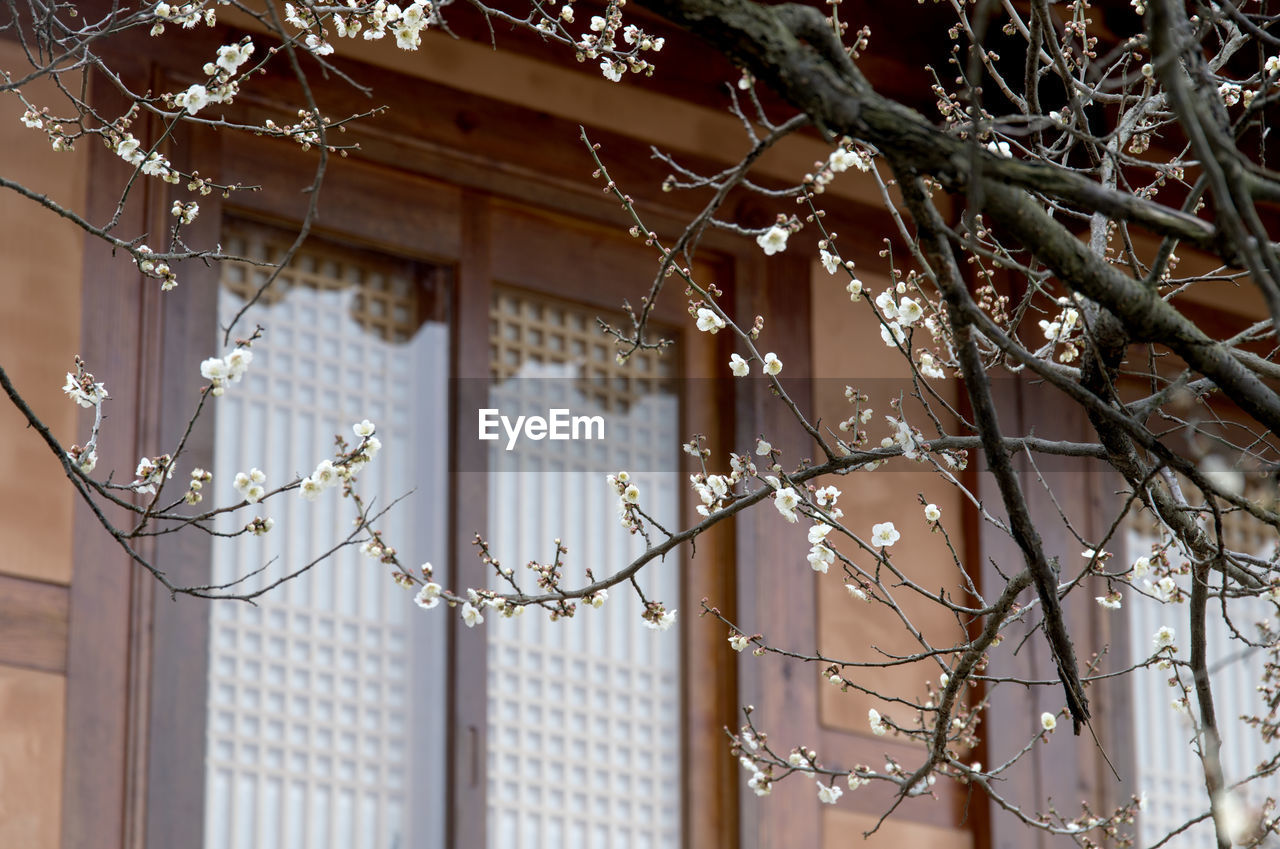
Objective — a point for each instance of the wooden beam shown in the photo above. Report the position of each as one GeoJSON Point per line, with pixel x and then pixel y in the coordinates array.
{"type": "Point", "coordinates": [33, 624]}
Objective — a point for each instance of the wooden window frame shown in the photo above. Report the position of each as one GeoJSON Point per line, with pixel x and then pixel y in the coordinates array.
{"type": "Point", "coordinates": [134, 772]}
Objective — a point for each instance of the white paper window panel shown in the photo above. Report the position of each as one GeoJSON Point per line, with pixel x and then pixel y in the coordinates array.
{"type": "Point", "coordinates": [1169, 770]}
{"type": "Point", "coordinates": [324, 705]}
{"type": "Point", "coordinates": [583, 714]}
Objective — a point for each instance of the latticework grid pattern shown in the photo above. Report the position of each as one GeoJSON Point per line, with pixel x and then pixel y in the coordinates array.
{"type": "Point", "coordinates": [309, 722]}
{"type": "Point", "coordinates": [1169, 770]}
{"type": "Point", "coordinates": [583, 715]}
{"type": "Point", "coordinates": [525, 331]}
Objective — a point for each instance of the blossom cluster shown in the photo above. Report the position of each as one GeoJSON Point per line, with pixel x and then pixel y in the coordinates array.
{"type": "Point", "coordinates": [628, 499]}
{"type": "Point", "coordinates": [199, 477]}
{"type": "Point", "coordinates": [602, 41]}
{"type": "Point", "coordinates": [897, 316]}
{"type": "Point", "coordinates": [185, 15]}
{"type": "Point", "coordinates": [657, 617]}
{"type": "Point", "coordinates": [329, 474]}
{"type": "Point", "coordinates": [151, 472]}
{"type": "Point", "coordinates": [157, 268]}
{"type": "Point", "coordinates": [152, 164]}
{"type": "Point", "coordinates": [83, 390]}
{"type": "Point", "coordinates": [185, 211]}
{"type": "Point", "coordinates": [846, 155]}
{"type": "Point", "coordinates": [1064, 328]}
{"type": "Point", "coordinates": [770, 365]}
{"type": "Point", "coordinates": [229, 369]}
{"type": "Point", "coordinates": [370, 21]}
{"type": "Point", "coordinates": [251, 485]}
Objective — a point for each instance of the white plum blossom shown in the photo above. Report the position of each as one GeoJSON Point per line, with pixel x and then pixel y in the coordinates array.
{"type": "Point", "coordinates": [259, 526]}
{"type": "Point", "coordinates": [884, 534]}
{"type": "Point", "coordinates": [893, 334]}
{"type": "Point", "coordinates": [929, 367]}
{"type": "Point", "coordinates": [243, 480]}
{"type": "Point", "coordinates": [372, 445]}
{"type": "Point", "coordinates": [85, 393]}
{"type": "Point", "coordinates": [1111, 601]}
{"type": "Point", "coordinates": [661, 623]}
{"type": "Point", "coordinates": [932, 513]}
{"type": "Point", "coordinates": [238, 362]}
{"type": "Point", "coordinates": [612, 70]}
{"type": "Point", "coordinates": [150, 472]}
{"type": "Point", "coordinates": [773, 240]}
{"type": "Point", "coordinates": [193, 99]}
{"type": "Point", "coordinates": [762, 448]}
{"type": "Point", "coordinates": [428, 597]}
{"type": "Point", "coordinates": [739, 366]}
{"type": "Point", "coordinates": [232, 56]}
{"type": "Point", "coordinates": [738, 642]}
{"type": "Point", "coordinates": [320, 47]}
{"type": "Point", "coordinates": [909, 312]}
{"type": "Point", "coordinates": [842, 159]}
{"type": "Point", "coordinates": [215, 369]}
{"type": "Point", "coordinates": [887, 305]}
{"type": "Point", "coordinates": [786, 501]}
{"type": "Point", "coordinates": [828, 794]}
{"type": "Point", "coordinates": [854, 289]}
{"type": "Point", "coordinates": [708, 321]}
{"type": "Point", "coordinates": [820, 558]}
{"type": "Point", "coordinates": [1048, 721]}
{"type": "Point", "coordinates": [250, 486]}
{"type": "Point", "coordinates": [830, 261]}
{"type": "Point", "coordinates": [220, 371]}
{"type": "Point", "coordinates": [1164, 637]}
{"type": "Point", "coordinates": [828, 495]}
{"type": "Point", "coordinates": [86, 461]}
{"type": "Point", "coordinates": [818, 533]}
{"type": "Point", "coordinates": [471, 615]}
{"type": "Point", "coordinates": [772, 365]}
{"type": "Point", "coordinates": [718, 485]}
{"type": "Point", "coordinates": [129, 149]}
{"type": "Point", "coordinates": [155, 165]}
{"type": "Point", "coordinates": [1000, 148]}
{"type": "Point", "coordinates": [857, 592]}
{"type": "Point", "coordinates": [309, 489]}
{"type": "Point", "coordinates": [878, 726]}
{"type": "Point", "coordinates": [1165, 589]}
{"type": "Point", "coordinates": [185, 212]}
{"type": "Point", "coordinates": [631, 494]}
{"type": "Point", "coordinates": [363, 428]}
{"type": "Point", "coordinates": [326, 474]}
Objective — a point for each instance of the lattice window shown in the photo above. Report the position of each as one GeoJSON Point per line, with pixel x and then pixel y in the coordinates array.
{"type": "Point", "coordinates": [1169, 770]}
{"type": "Point", "coordinates": [314, 702]}
{"type": "Point", "coordinates": [583, 715]}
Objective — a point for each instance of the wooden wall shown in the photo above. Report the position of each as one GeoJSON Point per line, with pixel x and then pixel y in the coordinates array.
{"type": "Point", "coordinates": [39, 333]}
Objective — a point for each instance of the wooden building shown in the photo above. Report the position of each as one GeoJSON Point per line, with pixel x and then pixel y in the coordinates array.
{"type": "Point", "coordinates": [465, 239]}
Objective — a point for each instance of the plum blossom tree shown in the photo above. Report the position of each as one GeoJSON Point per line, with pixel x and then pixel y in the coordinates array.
{"type": "Point", "coordinates": [1080, 155]}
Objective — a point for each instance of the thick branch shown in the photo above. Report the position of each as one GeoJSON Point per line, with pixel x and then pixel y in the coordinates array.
{"type": "Point", "coordinates": [938, 250]}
